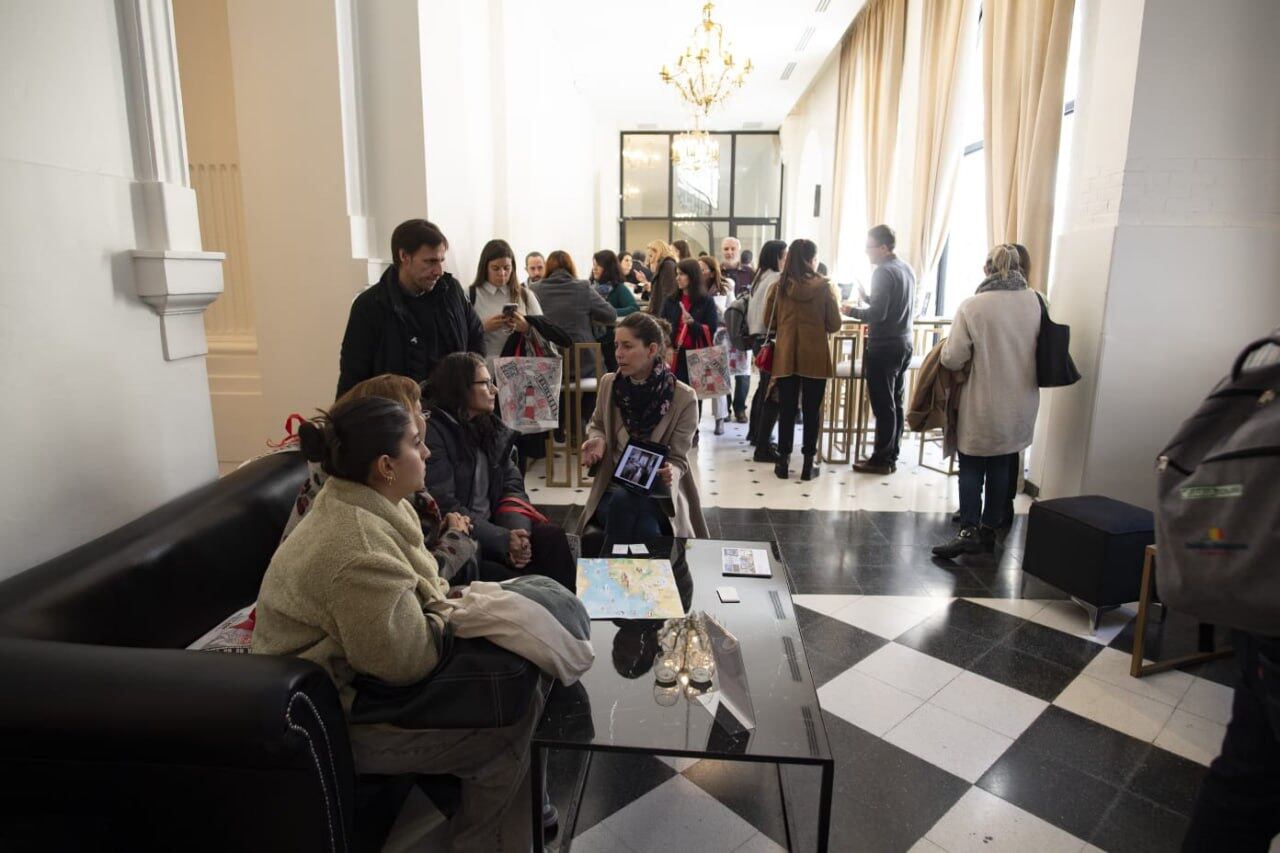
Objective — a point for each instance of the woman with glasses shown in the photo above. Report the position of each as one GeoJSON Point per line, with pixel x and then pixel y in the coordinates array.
{"type": "Point", "coordinates": [472, 471]}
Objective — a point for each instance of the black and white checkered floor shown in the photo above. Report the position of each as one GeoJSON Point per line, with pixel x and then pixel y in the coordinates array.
{"type": "Point", "coordinates": [968, 708]}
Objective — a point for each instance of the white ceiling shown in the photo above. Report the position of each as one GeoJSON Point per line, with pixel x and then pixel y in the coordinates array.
{"type": "Point", "coordinates": [618, 47]}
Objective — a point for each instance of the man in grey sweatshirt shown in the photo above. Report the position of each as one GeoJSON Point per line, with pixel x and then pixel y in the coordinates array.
{"type": "Point", "coordinates": [888, 352]}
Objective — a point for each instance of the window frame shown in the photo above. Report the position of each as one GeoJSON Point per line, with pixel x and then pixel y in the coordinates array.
{"type": "Point", "coordinates": [733, 221]}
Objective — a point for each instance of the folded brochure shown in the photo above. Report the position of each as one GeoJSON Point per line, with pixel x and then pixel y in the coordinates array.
{"type": "Point", "coordinates": [745, 562]}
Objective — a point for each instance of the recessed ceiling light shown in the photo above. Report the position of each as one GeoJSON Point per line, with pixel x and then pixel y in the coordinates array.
{"type": "Point", "coordinates": [822, 6]}
{"type": "Point", "coordinates": [804, 39]}
{"type": "Point", "coordinates": [788, 71]}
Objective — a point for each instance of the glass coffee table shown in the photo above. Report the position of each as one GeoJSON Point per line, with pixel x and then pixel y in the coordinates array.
{"type": "Point", "coordinates": [618, 706]}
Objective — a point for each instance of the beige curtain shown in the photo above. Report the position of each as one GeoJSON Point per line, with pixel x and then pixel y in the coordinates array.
{"type": "Point", "coordinates": [868, 90]}
{"type": "Point", "coordinates": [948, 55]}
{"type": "Point", "coordinates": [1024, 65]}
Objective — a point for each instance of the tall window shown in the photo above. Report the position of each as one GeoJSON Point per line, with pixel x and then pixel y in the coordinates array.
{"type": "Point", "coordinates": [960, 270]}
{"type": "Point", "coordinates": [741, 198]}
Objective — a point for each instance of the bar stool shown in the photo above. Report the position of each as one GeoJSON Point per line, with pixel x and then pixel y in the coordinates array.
{"type": "Point", "coordinates": [573, 390]}
{"type": "Point", "coordinates": [565, 445]}
{"type": "Point", "coordinates": [579, 387]}
{"type": "Point", "coordinates": [926, 332]}
{"type": "Point", "coordinates": [844, 393]}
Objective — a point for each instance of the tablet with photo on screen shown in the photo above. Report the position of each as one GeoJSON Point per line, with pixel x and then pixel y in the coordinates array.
{"type": "Point", "coordinates": [638, 466]}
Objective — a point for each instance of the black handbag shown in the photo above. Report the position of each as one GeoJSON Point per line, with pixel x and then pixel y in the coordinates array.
{"type": "Point", "coordinates": [476, 685]}
{"type": "Point", "coordinates": [1054, 367]}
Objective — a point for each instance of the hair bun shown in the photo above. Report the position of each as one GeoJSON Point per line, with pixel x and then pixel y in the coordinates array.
{"type": "Point", "coordinates": [316, 438]}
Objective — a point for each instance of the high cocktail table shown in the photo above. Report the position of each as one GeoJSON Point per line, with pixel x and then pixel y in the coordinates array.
{"type": "Point", "coordinates": [614, 707]}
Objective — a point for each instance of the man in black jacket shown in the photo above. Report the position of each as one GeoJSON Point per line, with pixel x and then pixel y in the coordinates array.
{"type": "Point", "coordinates": [414, 316]}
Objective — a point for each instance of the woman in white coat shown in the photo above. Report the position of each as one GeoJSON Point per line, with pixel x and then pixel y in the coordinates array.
{"type": "Point", "coordinates": [993, 335]}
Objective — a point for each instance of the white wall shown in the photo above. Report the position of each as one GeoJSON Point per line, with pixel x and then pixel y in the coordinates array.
{"type": "Point", "coordinates": [511, 145]}
{"type": "Point", "coordinates": [808, 158]}
{"type": "Point", "coordinates": [1185, 210]}
{"type": "Point", "coordinates": [98, 427]}
{"type": "Point", "coordinates": [303, 274]}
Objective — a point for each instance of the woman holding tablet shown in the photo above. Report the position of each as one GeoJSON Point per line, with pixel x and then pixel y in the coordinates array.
{"type": "Point", "coordinates": [643, 411]}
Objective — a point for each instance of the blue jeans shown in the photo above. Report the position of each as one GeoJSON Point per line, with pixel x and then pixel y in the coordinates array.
{"type": "Point", "coordinates": [630, 518]}
{"type": "Point", "coordinates": [995, 471]}
{"type": "Point", "coordinates": [740, 386]}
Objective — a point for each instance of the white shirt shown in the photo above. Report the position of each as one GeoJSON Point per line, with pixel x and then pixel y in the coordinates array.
{"type": "Point", "coordinates": [489, 301]}
{"type": "Point", "coordinates": [757, 322]}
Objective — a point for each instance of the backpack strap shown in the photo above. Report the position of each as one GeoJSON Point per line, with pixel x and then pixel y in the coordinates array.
{"type": "Point", "coordinates": [1248, 351]}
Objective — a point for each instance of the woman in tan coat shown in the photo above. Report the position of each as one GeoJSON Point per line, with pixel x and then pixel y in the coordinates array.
{"type": "Point", "coordinates": [803, 311]}
{"type": "Point", "coordinates": [643, 400]}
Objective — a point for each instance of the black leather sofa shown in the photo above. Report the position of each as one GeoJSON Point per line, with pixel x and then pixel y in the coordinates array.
{"type": "Point", "coordinates": [112, 736]}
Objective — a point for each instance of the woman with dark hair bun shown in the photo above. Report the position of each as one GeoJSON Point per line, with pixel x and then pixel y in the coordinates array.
{"type": "Point", "coordinates": [352, 590]}
{"type": "Point", "coordinates": [471, 471]}
{"type": "Point", "coordinates": [447, 536]}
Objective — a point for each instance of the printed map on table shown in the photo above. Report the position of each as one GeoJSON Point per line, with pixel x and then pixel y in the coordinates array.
{"type": "Point", "coordinates": [627, 588]}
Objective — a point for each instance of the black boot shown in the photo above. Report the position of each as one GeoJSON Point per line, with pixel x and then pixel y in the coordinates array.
{"type": "Point", "coordinates": [987, 536]}
{"type": "Point", "coordinates": [967, 541]}
{"type": "Point", "coordinates": [810, 469]}
{"type": "Point", "coordinates": [782, 468]}
{"type": "Point", "coordinates": [765, 453]}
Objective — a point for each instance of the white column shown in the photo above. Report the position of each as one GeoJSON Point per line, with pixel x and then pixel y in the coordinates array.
{"type": "Point", "coordinates": [1170, 259]}
{"type": "Point", "coordinates": [174, 276]}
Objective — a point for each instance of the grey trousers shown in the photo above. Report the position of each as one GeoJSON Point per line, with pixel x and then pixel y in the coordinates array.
{"type": "Point", "coordinates": [493, 765]}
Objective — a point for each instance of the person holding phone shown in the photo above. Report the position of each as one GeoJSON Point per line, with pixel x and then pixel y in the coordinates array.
{"type": "Point", "coordinates": [643, 401]}
{"type": "Point", "coordinates": [499, 298]}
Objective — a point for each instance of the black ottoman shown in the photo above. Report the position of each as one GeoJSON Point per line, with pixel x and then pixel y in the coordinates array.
{"type": "Point", "coordinates": [1090, 547]}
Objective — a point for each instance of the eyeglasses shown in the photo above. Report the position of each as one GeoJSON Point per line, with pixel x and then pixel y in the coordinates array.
{"type": "Point", "coordinates": [488, 382]}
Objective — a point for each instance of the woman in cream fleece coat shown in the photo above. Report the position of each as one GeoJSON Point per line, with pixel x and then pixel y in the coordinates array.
{"type": "Point", "coordinates": [348, 590]}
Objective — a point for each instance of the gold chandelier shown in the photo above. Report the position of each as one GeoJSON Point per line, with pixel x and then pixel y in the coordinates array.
{"type": "Point", "coordinates": [706, 73]}
{"type": "Point", "coordinates": [695, 150]}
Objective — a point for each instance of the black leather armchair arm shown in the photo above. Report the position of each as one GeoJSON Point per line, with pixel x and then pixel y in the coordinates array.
{"type": "Point", "coordinates": [182, 729]}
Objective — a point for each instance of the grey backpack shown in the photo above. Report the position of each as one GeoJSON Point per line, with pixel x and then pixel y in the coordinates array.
{"type": "Point", "coordinates": [1218, 504]}
{"type": "Point", "coordinates": [735, 323]}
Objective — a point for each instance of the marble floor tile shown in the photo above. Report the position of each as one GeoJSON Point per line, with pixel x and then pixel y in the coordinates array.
{"type": "Point", "coordinates": [989, 704]}
{"type": "Point", "coordinates": [866, 702]}
{"type": "Point", "coordinates": [1192, 737]}
{"type": "Point", "coordinates": [1070, 618]}
{"type": "Point", "coordinates": [679, 809]}
{"type": "Point", "coordinates": [1115, 707]}
{"type": "Point", "coordinates": [1023, 607]}
{"type": "Point", "coordinates": [951, 742]}
{"type": "Point", "coordinates": [882, 619]}
{"type": "Point", "coordinates": [910, 671]}
{"type": "Point", "coordinates": [825, 604]}
{"type": "Point", "coordinates": [599, 839]}
{"type": "Point", "coordinates": [1209, 700]}
{"type": "Point", "coordinates": [1031, 675]}
{"type": "Point", "coordinates": [986, 823]}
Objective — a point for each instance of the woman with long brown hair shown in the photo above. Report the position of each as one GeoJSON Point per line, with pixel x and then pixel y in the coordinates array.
{"type": "Point", "coordinates": [496, 286]}
{"type": "Point", "coordinates": [804, 311]}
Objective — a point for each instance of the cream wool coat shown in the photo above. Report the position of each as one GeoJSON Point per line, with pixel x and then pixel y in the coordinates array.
{"type": "Point", "coordinates": [994, 333]}
{"type": "Point", "coordinates": [348, 588]}
{"type": "Point", "coordinates": [675, 430]}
